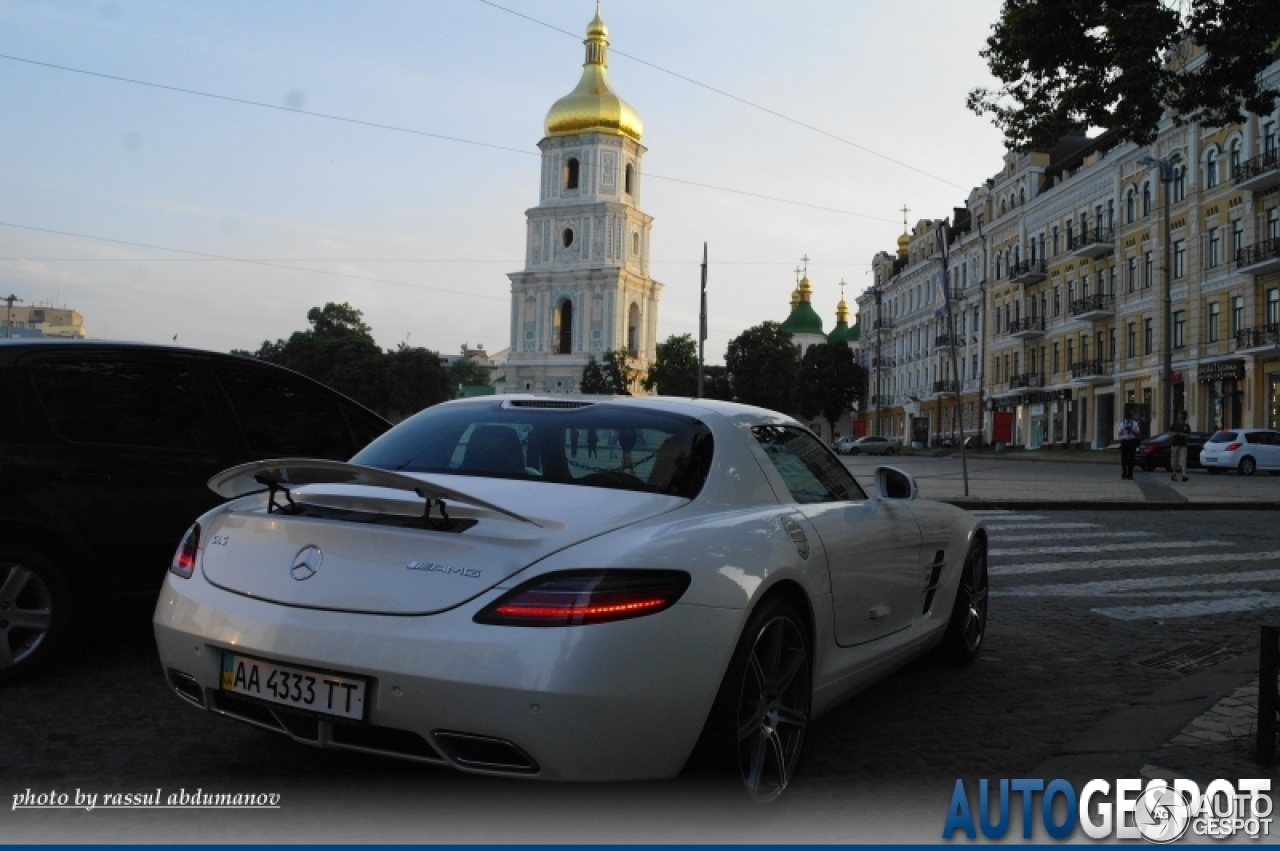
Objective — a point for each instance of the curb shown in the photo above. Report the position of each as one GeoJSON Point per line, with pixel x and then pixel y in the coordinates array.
{"type": "Point", "coordinates": [1117, 745]}
{"type": "Point", "coordinates": [1105, 505]}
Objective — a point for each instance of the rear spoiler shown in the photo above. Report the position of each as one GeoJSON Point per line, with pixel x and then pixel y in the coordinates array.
{"type": "Point", "coordinates": [283, 474]}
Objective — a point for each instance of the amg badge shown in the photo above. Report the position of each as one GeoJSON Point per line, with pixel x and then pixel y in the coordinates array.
{"type": "Point", "coordinates": [470, 572]}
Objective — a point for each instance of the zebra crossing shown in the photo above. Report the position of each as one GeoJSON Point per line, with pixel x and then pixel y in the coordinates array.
{"type": "Point", "coordinates": [1161, 576]}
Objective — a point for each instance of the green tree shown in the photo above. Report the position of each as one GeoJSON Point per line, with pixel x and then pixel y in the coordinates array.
{"type": "Point", "coordinates": [830, 382]}
{"type": "Point", "coordinates": [675, 368]}
{"type": "Point", "coordinates": [619, 375]}
{"type": "Point", "coordinates": [593, 380]}
{"type": "Point", "coordinates": [763, 367]}
{"type": "Point", "coordinates": [469, 372]}
{"type": "Point", "coordinates": [1067, 65]}
{"type": "Point", "coordinates": [339, 351]}
{"type": "Point", "coordinates": [715, 383]}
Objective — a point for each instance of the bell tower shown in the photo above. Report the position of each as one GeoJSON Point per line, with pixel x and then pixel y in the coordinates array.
{"type": "Point", "coordinates": [585, 289]}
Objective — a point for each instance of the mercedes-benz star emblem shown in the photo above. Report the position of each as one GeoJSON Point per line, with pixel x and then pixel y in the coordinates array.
{"type": "Point", "coordinates": [306, 563]}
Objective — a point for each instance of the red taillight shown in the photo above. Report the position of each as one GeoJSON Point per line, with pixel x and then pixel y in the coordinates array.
{"type": "Point", "coordinates": [581, 597]}
{"type": "Point", "coordinates": [184, 560]}
{"type": "Point", "coordinates": [1149, 449]}
{"type": "Point", "coordinates": [1233, 446]}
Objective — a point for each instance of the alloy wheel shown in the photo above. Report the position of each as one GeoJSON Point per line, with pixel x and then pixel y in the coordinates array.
{"type": "Point", "coordinates": [773, 708]}
{"type": "Point", "coordinates": [974, 589]}
{"type": "Point", "coordinates": [1248, 466]}
{"type": "Point", "coordinates": [26, 614]}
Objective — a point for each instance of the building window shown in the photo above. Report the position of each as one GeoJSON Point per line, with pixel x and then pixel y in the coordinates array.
{"type": "Point", "coordinates": [567, 237]}
{"type": "Point", "coordinates": [1212, 323]}
{"type": "Point", "coordinates": [1237, 239]}
{"type": "Point", "coordinates": [1234, 161]}
{"type": "Point", "coordinates": [1215, 248]}
{"type": "Point", "coordinates": [564, 328]}
{"type": "Point", "coordinates": [1133, 339]}
{"type": "Point", "coordinates": [1056, 350]}
{"type": "Point", "coordinates": [1151, 271]}
{"type": "Point", "coordinates": [1055, 240]}
{"type": "Point", "coordinates": [1179, 182]}
{"type": "Point", "coordinates": [626, 179]}
{"type": "Point", "coordinates": [1273, 223]}
{"type": "Point", "coordinates": [1179, 257]}
{"type": "Point", "coordinates": [1129, 211]}
{"type": "Point", "coordinates": [571, 173]}
{"type": "Point", "coordinates": [1237, 314]}
{"type": "Point", "coordinates": [1148, 337]}
{"type": "Point", "coordinates": [1211, 170]}
{"type": "Point", "coordinates": [633, 330]}
{"type": "Point", "coordinates": [635, 244]}
{"type": "Point", "coordinates": [1273, 306]}
{"type": "Point", "coordinates": [1146, 199]}
{"type": "Point", "coordinates": [1057, 301]}
{"type": "Point", "coordinates": [1111, 280]}
{"type": "Point", "coordinates": [1133, 273]}
{"type": "Point", "coordinates": [1269, 138]}
{"type": "Point", "coordinates": [1112, 346]}
{"type": "Point", "coordinates": [1179, 329]}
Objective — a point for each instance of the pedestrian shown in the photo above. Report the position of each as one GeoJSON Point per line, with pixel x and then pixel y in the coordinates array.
{"type": "Point", "coordinates": [1179, 433]}
{"type": "Point", "coordinates": [593, 440]}
{"type": "Point", "coordinates": [627, 440]}
{"type": "Point", "coordinates": [1129, 434]}
{"type": "Point", "coordinates": [573, 442]}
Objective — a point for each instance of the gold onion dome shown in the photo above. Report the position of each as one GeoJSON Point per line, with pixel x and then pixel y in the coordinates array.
{"type": "Point", "coordinates": [593, 107]}
{"type": "Point", "coordinates": [904, 243]}
{"type": "Point", "coordinates": [803, 319]}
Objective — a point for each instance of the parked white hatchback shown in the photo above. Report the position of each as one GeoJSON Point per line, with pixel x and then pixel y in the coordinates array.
{"type": "Point", "coordinates": [566, 588]}
{"type": "Point", "coordinates": [872, 444]}
{"type": "Point", "coordinates": [1245, 450]}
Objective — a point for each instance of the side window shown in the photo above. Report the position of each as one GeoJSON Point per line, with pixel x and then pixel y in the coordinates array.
{"type": "Point", "coordinates": [15, 421]}
{"type": "Point", "coordinates": [810, 471]}
{"type": "Point", "coordinates": [123, 403]}
{"type": "Point", "coordinates": [365, 426]}
{"type": "Point", "coordinates": [282, 418]}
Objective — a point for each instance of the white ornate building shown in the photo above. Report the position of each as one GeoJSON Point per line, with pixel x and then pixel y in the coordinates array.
{"type": "Point", "coordinates": [585, 289]}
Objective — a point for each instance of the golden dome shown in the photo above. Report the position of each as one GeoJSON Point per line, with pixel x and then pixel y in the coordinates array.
{"type": "Point", "coordinates": [593, 107]}
{"type": "Point", "coordinates": [795, 297]}
{"type": "Point", "coordinates": [804, 290]}
{"type": "Point", "coordinates": [904, 243]}
{"type": "Point", "coordinates": [842, 311]}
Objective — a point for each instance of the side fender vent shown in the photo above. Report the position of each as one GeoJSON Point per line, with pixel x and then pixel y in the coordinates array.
{"type": "Point", "coordinates": [931, 582]}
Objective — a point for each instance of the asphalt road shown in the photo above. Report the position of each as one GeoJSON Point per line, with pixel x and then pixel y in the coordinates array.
{"type": "Point", "coordinates": [1078, 599]}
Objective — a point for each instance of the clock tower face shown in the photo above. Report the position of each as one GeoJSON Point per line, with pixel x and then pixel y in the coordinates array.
{"type": "Point", "coordinates": [585, 289]}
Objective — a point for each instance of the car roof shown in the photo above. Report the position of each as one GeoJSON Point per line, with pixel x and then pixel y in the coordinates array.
{"type": "Point", "coordinates": [744, 414]}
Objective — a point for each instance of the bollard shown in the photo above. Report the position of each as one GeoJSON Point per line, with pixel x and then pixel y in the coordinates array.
{"type": "Point", "coordinates": [1268, 700]}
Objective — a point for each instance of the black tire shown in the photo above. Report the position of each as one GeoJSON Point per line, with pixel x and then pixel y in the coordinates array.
{"type": "Point", "coordinates": [1247, 466]}
{"type": "Point", "coordinates": [35, 613]}
{"type": "Point", "coordinates": [967, 628]}
{"type": "Point", "coordinates": [889, 450]}
{"type": "Point", "coordinates": [853, 450]}
{"type": "Point", "coordinates": [757, 723]}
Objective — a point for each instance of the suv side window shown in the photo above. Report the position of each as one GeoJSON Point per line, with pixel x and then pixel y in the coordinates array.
{"type": "Point", "coordinates": [123, 402]}
{"type": "Point", "coordinates": [809, 470]}
{"type": "Point", "coordinates": [281, 418]}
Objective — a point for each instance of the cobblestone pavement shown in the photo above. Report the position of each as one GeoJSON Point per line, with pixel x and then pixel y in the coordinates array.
{"type": "Point", "coordinates": [1079, 600]}
{"type": "Point", "coordinates": [1014, 476]}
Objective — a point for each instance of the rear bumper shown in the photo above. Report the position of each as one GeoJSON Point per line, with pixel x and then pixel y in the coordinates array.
{"type": "Point", "coordinates": [620, 701]}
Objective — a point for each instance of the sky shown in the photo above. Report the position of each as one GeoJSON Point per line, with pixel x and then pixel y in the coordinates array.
{"type": "Point", "coordinates": [418, 232]}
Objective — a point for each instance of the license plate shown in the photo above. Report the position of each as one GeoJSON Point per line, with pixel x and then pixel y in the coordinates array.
{"type": "Point", "coordinates": [315, 691]}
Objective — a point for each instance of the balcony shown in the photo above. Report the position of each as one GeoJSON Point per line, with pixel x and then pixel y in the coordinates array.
{"type": "Point", "coordinates": [946, 385]}
{"type": "Point", "coordinates": [1028, 272]}
{"type": "Point", "coordinates": [1261, 172]}
{"type": "Point", "coordinates": [1263, 340]}
{"type": "Point", "coordinates": [943, 341]}
{"type": "Point", "coordinates": [883, 322]}
{"type": "Point", "coordinates": [1259, 258]}
{"type": "Point", "coordinates": [1093, 371]}
{"type": "Point", "coordinates": [1093, 243]}
{"type": "Point", "coordinates": [1028, 328]}
{"type": "Point", "coordinates": [882, 401]}
{"type": "Point", "coordinates": [1094, 307]}
{"type": "Point", "coordinates": [1027, 379]}
{"type": "Point", "coordinates": [884, 362]}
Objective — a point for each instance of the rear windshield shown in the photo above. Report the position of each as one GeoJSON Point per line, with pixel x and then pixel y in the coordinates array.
{"type": "Point", "coordinates": [1223, 437]}
{"type": "Point", "coordinates": [596, 445]}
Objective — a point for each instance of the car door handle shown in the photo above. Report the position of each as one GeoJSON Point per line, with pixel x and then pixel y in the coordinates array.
{"type": "Point", "coordinates": [79, 478]}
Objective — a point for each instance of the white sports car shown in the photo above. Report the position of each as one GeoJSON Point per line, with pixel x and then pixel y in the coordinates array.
{"type": "Point", "coordinates": [566, 588]}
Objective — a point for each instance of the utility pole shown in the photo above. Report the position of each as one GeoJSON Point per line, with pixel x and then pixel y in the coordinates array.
{"type": "Point", "coordinates": [8, 324]}
{"type": "Point", "coordinates": [702, 324]}
{"type": "Point", "coordinates": [1166, 367]}
{"type": "Point", "coordinates": [951, 332]}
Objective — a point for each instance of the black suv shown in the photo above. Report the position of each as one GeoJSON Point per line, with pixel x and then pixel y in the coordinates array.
{"type": "Point", "coordinates": [105, 449]}
{"type": "Point", "coordinates": [1156, 451]}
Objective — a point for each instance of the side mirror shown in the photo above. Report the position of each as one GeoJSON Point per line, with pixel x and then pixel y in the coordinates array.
{"type": "Point", "coordinates": [892, 483]}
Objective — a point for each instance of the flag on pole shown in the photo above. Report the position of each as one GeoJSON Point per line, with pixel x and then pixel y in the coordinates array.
{"type": "Point", "coordinates": [941, 292]}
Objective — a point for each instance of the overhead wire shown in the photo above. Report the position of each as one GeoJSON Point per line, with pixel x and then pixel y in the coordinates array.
{"type": "Point", "coordinates": [327, 116]}
{"type": "Point", "coordinates": [615, 51]}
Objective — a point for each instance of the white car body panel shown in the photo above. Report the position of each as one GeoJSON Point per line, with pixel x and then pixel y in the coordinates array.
{"type": "Point", "coordinates": [613, 701]}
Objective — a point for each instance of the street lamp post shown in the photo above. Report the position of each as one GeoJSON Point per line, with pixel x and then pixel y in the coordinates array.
{"type": "Point", "coordinates": [1166, 368]}
{"type": "Point", "coordinates": [8, 322]}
